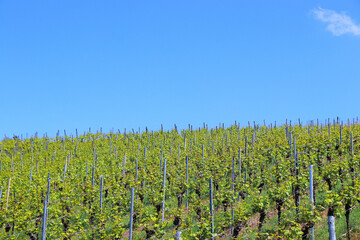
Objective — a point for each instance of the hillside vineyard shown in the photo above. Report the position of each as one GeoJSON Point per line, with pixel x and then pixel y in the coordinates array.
{"type": "Point", "coordinates": [240, 182]}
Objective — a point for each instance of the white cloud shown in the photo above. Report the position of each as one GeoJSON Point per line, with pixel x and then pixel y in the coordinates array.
{"type": "Point", "coordinates": [338, 23]}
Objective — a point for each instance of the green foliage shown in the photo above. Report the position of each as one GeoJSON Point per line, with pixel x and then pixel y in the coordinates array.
{"type": "Point", "coordinates": [266, 184]}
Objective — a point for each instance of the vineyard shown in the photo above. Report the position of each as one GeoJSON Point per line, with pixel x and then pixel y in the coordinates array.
{"type": "Point", "coordinates": [290, 181]}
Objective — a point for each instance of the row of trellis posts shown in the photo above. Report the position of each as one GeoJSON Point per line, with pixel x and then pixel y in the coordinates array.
{"type": "Point", "coordinates": [331, 219]}
{"type": "Point", "coordinates": [46, 201]}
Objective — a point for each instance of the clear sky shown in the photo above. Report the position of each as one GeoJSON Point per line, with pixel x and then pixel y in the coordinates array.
{"type": "Point", "coordinates": [129, 64]}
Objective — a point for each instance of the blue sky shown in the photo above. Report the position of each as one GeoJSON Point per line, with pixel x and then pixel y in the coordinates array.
{"type": "Point", "coordinates": [129, 64]}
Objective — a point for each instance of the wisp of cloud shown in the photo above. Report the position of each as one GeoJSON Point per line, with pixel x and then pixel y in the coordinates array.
{"type": "Point", "coordinates": [338, 23]}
